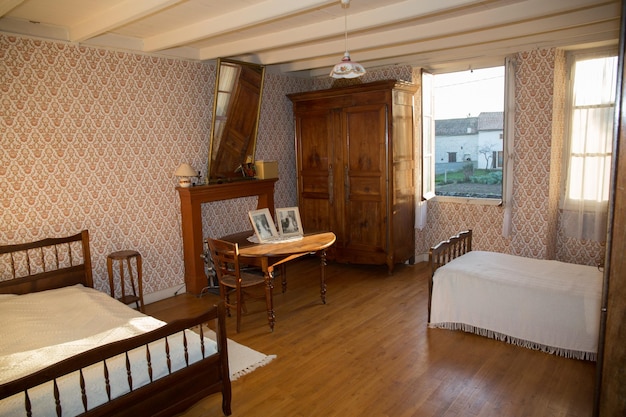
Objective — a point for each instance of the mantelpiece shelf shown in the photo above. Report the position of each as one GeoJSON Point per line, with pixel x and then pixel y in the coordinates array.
{"type": "Point", "coordinates": [191, 200]}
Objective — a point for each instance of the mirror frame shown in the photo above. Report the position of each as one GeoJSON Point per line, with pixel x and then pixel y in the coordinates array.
{"type": "Point", "coordinates": [212, 175]}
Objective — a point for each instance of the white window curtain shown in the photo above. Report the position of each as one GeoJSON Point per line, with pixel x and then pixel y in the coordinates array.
{"type": "Point", "coordinates": [588, 151]}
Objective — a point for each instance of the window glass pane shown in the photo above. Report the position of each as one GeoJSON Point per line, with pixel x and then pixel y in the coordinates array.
{"type": "Point", "coordinates": [592, 76]}
{"type": "Point", "coordinates": [576, 176]}
{"type": "Point", "coordinates": [428, 145]}
{"type": "Point", "coordinates": [427, 173]}
{"type": "Point", "coordinates": [597, 122]}
{"type": "Point", "coordinates": [593, 166]}
{"type": "Point", "coordinates": [428, 137]}
{"type": "Point", "coordinates": [591, 131]}
{"type": "Point", "coordinates": [469, 131]}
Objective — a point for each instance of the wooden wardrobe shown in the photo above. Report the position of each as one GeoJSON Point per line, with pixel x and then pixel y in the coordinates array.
{"type": "Point", "coordinates": [356, 166]}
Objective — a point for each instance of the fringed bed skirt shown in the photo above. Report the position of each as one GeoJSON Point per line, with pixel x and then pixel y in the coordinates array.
{"type": "Point", "coordinates": [545, 305]}
{"type": "Point", "coordinates": [567, 353]}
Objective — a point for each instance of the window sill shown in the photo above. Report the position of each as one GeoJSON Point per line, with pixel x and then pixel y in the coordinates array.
{"type": "Point", "coordinates": [469, 200]}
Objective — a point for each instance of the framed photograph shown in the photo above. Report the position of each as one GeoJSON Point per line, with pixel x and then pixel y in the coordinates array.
{"type": "Point", "coordinates": [289, 223]}
{"type": "Point", "coordinates": [263, 224]}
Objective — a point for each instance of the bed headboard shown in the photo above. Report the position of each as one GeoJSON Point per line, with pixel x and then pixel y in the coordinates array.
{"type": "Point", "coordinates": [447, 250]}
{"type": "Point", "coordinates": [444, 252]}
{"type": "Point", "coordinates": [45, 264]}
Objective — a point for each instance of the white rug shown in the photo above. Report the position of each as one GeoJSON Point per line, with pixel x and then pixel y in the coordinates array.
{"type": "Point", "coordinates": [241, 359]}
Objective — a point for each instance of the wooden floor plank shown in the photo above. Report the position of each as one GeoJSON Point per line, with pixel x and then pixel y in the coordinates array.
{"type": "Point", "coordinates": [368, 351]}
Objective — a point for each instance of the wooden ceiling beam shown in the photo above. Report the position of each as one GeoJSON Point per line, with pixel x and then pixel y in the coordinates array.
{"type": "Point", "coordinates": [382, 16]}
{"type": "Point", "coordinates": [465, 48]}
{"type": "Point", "coordinates": [119, 14]}
{"type": "Point", "coordinates": [228, 22]}
{"type": "Point", "coordinates": [456, 31]}
{"type": "Point", "coordinates": [7, 5]}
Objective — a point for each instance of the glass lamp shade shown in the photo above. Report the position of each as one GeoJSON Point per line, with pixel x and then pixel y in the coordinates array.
{"type": "Point", "coordinates": [347, 68]}
{"type": "Point", "coordinates": [184, 173]}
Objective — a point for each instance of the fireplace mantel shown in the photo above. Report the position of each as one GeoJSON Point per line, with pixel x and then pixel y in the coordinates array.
{"type": "Point", "coordinates": [191, 200]}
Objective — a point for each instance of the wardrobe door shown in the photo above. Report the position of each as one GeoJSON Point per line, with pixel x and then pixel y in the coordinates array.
{"type": "Point", "coordinates": [364, 180]}
{"type": "Point", "coordinates": [315, 135]}
{"type": "Point", "coordinates": [402, 190]}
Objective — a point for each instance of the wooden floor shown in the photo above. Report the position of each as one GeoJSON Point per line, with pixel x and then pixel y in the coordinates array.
{"type": "Point", "coordinates": [368, 352]}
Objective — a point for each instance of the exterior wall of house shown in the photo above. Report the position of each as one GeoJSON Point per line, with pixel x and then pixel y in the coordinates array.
{"type": "Point", "coordinates": [468, 148]}
{"type": "Point", "coordinates": [489, 141]}
{"type": "Point", "coordinates": [471, 139]}
{"type": "Point", "coordinates": [465, 146]}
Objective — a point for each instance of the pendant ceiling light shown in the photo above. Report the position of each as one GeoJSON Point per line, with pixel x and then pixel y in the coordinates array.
{"type": "Point", "coordinates": [347, 68]}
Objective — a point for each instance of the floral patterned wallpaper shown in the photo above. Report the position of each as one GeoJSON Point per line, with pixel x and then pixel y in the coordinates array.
{"type": "Point", "coordinates": [91, 137]}
{"type": "Point", "coordinates": [90, 140]}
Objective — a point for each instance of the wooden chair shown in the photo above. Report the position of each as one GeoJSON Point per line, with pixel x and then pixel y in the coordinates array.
{"type": "Point", "coordinates": [125, 256]}
{"type": "Point", "coordinates": [233, 281]}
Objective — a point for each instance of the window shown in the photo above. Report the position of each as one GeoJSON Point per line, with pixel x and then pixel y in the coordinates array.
{"type": "Point", "coordinates": [591, 131]}
{"type": "Point", "coordinates": [588, 148]}
{"type": "Point", "coordinates": [498, 159]}
{"type": "Point", "coordinates": [467, 133]}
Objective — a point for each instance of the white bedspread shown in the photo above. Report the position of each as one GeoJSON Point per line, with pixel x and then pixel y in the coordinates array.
{"type": "Point", "coordinates": [42, 328]}
{"type": "Point", "coordinates": [547, 305]}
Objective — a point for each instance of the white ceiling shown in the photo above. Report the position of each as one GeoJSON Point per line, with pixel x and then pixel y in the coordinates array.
{"type": "Point", "coordinates": [308, 35]}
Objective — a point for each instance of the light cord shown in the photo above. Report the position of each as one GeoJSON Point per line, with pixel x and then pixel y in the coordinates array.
{"type": "Point", "coordinates": [345, 25]}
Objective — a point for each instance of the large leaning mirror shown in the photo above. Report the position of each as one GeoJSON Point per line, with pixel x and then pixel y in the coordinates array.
{"type": "Point", "coordinates": [236, 108]}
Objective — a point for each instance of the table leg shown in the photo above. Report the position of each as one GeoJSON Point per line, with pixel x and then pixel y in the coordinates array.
{"type": "Point", "coordinates": [283, 276]}
{"type": "Point", "coordinates": [323, 276]}
{"type": "Point", "coordinates": [269, 286]}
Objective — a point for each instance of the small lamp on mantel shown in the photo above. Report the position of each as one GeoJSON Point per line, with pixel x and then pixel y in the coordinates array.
{"type": "Point", "coordinates": [184, 173]}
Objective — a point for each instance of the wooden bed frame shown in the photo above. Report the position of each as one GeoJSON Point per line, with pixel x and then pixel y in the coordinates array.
{"type": "Point", "coordinates": [444, 252]}
{"type": "Point", "coordinates": [540, 304]}
{"type": "Point", "coordinates": [165, 396]}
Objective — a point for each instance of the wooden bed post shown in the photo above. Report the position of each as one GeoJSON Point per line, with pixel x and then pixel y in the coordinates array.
{"type": "Point", "coordinates": [87, 258]}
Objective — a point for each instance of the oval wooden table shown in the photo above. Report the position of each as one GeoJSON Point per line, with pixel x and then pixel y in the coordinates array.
{"type": "Point", "coordinates": [270, 255]}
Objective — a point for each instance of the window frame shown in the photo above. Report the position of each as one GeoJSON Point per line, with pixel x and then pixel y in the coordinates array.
{"type": "Point", "coordinates": [428, 141]}
{"type": "Point", "coordinates": [571, 58]}
{"type": "Point", "coordinates": [428, 136]}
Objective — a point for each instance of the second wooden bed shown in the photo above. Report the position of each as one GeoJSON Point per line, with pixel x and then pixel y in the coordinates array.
{"type": "Point", "coordinates": [540, 304]}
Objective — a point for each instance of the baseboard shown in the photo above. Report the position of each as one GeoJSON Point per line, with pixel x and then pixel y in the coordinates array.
{"type": "Point", "coordinates": [179, 289]}
{"type": "Point", "coordinates": [163, 294]}
{"type": "Point", "coordinates": [421, 257]}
